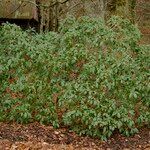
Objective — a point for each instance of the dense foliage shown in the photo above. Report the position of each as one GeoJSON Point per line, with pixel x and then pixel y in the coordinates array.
{"type": "Point", "coordinates": [92, 76]}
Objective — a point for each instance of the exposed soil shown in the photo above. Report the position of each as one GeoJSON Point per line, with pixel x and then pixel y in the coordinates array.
{"type": "Point", "coordinates": [39, 137]}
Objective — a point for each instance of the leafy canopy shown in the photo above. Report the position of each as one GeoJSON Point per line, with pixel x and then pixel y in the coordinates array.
{"type": "Point", "coordinates": [92, 76]}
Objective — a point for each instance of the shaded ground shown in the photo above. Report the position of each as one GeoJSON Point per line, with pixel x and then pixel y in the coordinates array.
{"type": "Point", "coordinates": [38, 137]}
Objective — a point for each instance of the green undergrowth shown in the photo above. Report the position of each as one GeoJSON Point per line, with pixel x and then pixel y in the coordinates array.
{"type": "Point", "coordinates": [91, 76]}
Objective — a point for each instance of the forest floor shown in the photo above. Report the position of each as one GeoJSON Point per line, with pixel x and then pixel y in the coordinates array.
{"type": "Point", "coordinates": [39, 137]}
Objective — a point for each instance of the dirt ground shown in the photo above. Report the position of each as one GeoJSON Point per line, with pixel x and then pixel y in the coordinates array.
{"type": "Point", "coordinates": [39, 137]}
